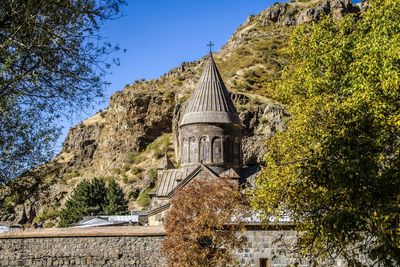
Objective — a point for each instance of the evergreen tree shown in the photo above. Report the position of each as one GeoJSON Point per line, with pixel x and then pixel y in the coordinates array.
{"type": "Point", "coordinates": [116, 202]}
{"type": "Point", "coordinates": [88, 198]}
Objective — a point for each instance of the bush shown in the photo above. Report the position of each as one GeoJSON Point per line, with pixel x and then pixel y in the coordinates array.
{"type": "Point", "coordinates": [152, 174]}
{"type": "Point", "coordinates": [47, 214]}
{"type": "Point", "coordinates": [144, 198]}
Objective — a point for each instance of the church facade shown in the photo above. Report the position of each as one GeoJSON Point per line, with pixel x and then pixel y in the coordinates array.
{"type": "Point", "coordinates": [210, 134]}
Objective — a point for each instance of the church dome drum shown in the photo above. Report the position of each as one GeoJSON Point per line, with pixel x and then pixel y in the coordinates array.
{"type": "Point", "coordinates": [210, 129]}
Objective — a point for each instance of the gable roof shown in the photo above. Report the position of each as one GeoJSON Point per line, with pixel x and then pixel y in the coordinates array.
{"type": "Point", "coordinates": [171, 180]}
{"type": "Point", "coordinates": [191, 176]}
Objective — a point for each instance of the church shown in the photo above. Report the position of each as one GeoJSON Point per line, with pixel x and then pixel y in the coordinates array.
{"type": "Point", "coordinates": [210, 136]}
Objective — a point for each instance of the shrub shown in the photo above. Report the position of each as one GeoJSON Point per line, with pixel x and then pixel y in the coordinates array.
{"type": "Point", "coordinates": [144, 198]}
{"type": "Point", "coordinates": [47, 214]}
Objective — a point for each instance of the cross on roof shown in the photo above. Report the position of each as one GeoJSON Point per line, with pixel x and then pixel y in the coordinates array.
{"type": "Point", "coordinates": [210, 44]}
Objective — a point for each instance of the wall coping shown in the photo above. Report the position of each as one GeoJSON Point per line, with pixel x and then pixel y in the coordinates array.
{"type": "Point", "coordinates": [112, 231]}
{"type": "Point", "coordinates": [118, 231]}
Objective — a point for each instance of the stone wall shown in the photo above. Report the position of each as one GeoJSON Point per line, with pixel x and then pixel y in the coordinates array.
{"type": "Point", "coordinates": [273, 245]}
{"type": "Point", "coordinates": [127, 248]}
{"type": "Point", "coordinates": [82, 251]}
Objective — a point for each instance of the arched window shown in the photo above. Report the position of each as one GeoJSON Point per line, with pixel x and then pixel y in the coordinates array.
{"type": "Point", "coordinates": [203, 151]}
{"type": "Point", "coordinates": [216, 148]}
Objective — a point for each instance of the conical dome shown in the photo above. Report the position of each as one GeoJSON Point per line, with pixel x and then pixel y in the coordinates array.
{"type": "Point", "coordinates": [210, 102]}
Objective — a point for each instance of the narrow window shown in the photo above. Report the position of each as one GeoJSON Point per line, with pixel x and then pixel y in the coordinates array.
{"type": "Point", "coordinates": [204, 152]}
{"type": "Point", "coordinates": [263, 262]}
{"type": "Point", "coordinates": [203, 149]}
{"type": "Point", "coordinates": [216, 148]}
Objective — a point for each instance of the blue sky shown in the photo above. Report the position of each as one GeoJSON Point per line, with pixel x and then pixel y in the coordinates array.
{"type": "Point", "coordinates": [161, 34]}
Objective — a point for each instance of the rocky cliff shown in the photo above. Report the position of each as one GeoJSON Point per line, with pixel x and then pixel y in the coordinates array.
{"type": "Point", "coordinates": [127, 140]}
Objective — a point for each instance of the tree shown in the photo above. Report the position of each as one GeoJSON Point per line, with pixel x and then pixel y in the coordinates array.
{"type": "Point", "coordinates": [52, 63]}
{"type": "Point", "coordinates": [116, 202]}
{"type": "Point", "coordinates": [88, 198]}
{"type": "Point", "coordinates": [202, 224]}
{"type": "Point", "coordinates": [336, 170]}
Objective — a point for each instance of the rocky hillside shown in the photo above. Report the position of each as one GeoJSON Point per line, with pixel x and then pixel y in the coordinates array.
{"type": "Point", "coordinates": [127, 141]}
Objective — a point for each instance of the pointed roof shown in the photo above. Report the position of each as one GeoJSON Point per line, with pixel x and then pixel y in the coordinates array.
{"type": "Point", "coordinates": [210, 102]}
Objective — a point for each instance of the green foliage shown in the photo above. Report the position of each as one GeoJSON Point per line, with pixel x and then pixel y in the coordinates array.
{"type": "Point", "coordinates": [88, 198]}
{"type": "Point", "coordinates": [7, 204]}
{"type": "Point", "coordinates": [335, 171]}
{"type": "Point", "coordinates": [144, 199]}
{"type": "Point", "coordinates": [152, 174]}
{"type": "Point", "coordinates": [116, 203]}
{"type": "Point", "coordinates": [160, 145]}
{"type": "Point", "coordinates": [47, 214]}
{"type": "Point", "coordinates": [93, 198]}
{"type": "Point", "coordinates": [52, 63]}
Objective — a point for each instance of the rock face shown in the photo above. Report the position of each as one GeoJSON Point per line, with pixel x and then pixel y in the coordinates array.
{"type": "Point", "coordinates": [131, 122]}
{"type": "Point", "coordinates": [291, 14]}
{"type": "Point", "coordinates": [260, 123]}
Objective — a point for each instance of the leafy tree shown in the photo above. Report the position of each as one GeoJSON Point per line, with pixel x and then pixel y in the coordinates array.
{"type": "Point", "coordinates": [88, 198]}
{"type": "Point", "coordinates": [52, 63]}
{"type": "Point", "coordinates": [336, 170]}
{"type": "Point", "coordinates": [116, 202]}
{"type": "Point", "coordinates": [200, 225]}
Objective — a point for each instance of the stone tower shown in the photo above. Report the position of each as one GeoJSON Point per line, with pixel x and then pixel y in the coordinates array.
{"type": "Point", "coordinates": [210, 129]}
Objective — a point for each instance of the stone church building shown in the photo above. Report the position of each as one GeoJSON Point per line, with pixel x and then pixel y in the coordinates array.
{"type": "Point", "coordinates": [210, 138]}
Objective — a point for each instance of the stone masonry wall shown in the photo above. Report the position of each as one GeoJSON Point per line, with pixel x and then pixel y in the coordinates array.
{"type": "Point", "coordinates": [143, 251]}
{"type": "Point", "coordinates": [273, 245]}
{"type": "Point", "coordinates": [82, 251]}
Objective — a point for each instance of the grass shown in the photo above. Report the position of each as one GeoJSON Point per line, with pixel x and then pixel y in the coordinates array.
{"type": "Point", "coordinates": [258, 62]}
